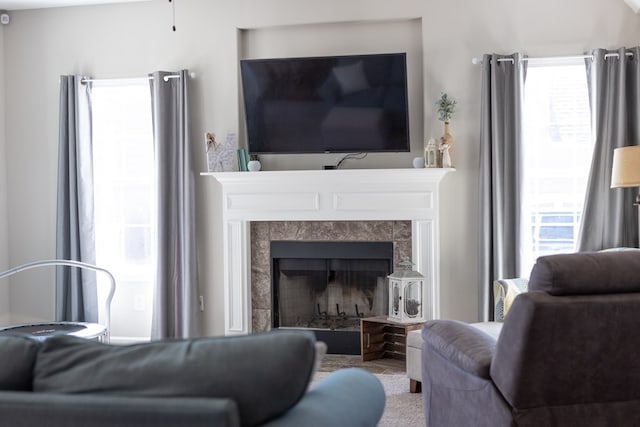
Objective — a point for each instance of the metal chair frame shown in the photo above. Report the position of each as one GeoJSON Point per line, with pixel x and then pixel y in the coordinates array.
{"type": "Point", "coordinates": [77, 264]}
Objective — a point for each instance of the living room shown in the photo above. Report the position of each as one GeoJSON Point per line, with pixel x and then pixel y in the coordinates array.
{"type": "Point", "coordinates": [124, 40]}
{"type": "Point", "coordinates": [132, 39]}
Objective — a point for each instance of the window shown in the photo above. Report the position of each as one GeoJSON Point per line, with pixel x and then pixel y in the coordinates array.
{"type": "Point", "coordinates": [558, 146]}
{"type": "Point", "coordinates": [123, 189]}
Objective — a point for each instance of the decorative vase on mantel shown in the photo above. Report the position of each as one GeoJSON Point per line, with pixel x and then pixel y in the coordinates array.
{"type": "Point", "coordinates": [446, 147]}
{"type": "Point", "coordinates": [446, 108]}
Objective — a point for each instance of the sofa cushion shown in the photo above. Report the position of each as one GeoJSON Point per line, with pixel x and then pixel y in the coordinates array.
{"type": "Point", "coordinates": [265, 374]}
{"type": "Point", "coordinates": [492, 329]}
{"type": "Point", "coordinates": [587, 273]}
{"type": "Point", "coordinates": [17, 357]}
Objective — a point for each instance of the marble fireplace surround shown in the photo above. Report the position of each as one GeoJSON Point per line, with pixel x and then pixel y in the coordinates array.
{"type": "Point", "coordinates": [264, 232]}
{"type": "Point", "coordinates": [325, 195]}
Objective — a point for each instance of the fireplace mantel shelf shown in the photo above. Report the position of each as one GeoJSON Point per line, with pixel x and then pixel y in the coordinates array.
{"type": "Point", "coordinates": [325, 195]}
{"type": "Point", "coordinates": [411, 173]}
{"type": "Point", "coordinates": [342, 194]}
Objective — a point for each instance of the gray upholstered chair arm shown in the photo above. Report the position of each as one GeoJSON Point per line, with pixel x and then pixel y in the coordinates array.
{"type": "Point", "coordinates": [337, 400]}
{"type": "Point", "coordinates": [27, 409]}
{"type": "Point", "coordinates": [463, 345]}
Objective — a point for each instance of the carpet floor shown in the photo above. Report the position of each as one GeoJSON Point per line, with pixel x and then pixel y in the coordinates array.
{"type": "Point", "coordinates": [402, 409]}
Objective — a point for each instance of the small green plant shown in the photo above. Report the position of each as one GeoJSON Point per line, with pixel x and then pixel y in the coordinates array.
{"type": "Point", "coordinates": [446, 108]}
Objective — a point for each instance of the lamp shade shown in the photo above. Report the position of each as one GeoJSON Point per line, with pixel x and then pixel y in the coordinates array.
{"type": "Point", "coordinates": [626, 167]}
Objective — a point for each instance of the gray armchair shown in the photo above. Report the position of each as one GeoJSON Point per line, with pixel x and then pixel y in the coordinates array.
{"type": "Point", "coordinates": [567, 354]}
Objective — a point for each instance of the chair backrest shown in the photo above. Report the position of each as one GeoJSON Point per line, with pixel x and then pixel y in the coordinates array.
{"type": "Point", "coordinates": [76, 264]}
{"type": "Point", "coordinates": [573, 338]}
{"type": "Point", "coordinates": [586, 273]}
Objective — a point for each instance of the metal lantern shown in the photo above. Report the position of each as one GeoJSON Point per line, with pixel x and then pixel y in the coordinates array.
{"type": "Point", "coordinates": [431, 154]}
{"type": "Point", "coordinates": [406, 295]}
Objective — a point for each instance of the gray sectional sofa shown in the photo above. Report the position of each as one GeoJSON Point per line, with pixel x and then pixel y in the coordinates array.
{"type": "Point", "coordinates": [255, 380]}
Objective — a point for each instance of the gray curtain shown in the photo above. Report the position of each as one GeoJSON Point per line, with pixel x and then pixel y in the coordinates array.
{"type": "Point", "coordinates": [609, 218]}
{"type": "Point", "coordinates": [76, 293]}
{"type": "Point", "coordinates": [176, 311]}
{"type": "Point", "coordinates": [500, 174]}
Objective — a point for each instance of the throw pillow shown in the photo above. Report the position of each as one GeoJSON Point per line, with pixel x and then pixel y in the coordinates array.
{"type": "Point", "coordinates": [17, 357]}
{"type": "Point", "coordinates": [504, 292]}
{"type": "Point", "coordinates": [265, 374]}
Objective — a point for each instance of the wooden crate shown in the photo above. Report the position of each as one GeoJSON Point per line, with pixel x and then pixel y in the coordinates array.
{"type": "Point", "coordinates": [381, 337]}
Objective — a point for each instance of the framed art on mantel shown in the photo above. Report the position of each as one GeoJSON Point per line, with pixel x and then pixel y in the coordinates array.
{"type": "Point", "coordinates": [220, 156]}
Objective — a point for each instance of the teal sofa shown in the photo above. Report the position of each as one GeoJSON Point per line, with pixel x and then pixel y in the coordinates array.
{"type": "Point", "coordinates": [245, 381]}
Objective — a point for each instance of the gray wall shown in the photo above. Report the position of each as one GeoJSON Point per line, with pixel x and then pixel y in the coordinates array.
{"type": "Point", "coordinates": [130, 40]}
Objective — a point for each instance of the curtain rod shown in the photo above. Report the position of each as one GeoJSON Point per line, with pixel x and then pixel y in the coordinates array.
{"type": "Point", "coordinates": [165, 78]}
{"type": "Point", "coordinates": [478, 61]}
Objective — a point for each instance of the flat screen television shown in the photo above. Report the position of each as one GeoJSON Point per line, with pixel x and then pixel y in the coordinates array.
{"type": "Point", "coordinates": [331, 104]}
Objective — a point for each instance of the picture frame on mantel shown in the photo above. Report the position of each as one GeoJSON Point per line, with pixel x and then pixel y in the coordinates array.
{"type": "Point", "coordinates": [221, 157]}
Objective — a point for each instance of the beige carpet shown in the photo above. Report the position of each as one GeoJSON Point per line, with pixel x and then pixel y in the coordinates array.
{"type": "Point", "coordinates": [402, 409]}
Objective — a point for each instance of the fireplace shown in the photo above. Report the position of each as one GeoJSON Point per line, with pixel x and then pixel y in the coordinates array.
{"type": "Point", "coordinates": [327, 287]}
{"type": "Point", "coordinates": [319, 195]}
{"type": "Point", "coordinates": [263, 233]}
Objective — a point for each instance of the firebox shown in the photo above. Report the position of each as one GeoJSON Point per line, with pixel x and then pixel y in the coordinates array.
{"type": "Point", "coordinates": [328, 286]}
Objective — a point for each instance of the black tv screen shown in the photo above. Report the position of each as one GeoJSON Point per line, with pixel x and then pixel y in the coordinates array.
{"type": "Point", "coordinates": [333, 104]}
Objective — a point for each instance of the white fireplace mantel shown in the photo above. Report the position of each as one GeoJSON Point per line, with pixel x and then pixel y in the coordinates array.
{"type": "Point", "coordinates": [325, 195]}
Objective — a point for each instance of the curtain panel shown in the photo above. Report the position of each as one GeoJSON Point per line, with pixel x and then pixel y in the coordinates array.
{"type": "Point", "coordinates": [609, 218]}
{"type": "Point", "coordinates": [500, 174]}
{"type": "Point", "coordinates": [76, 289]}
{"type": "Point", "coordinates": [176, 311]}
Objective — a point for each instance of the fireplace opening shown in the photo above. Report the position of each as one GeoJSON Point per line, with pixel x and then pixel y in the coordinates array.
{"type": "Point", "coordinates": [327, 287]}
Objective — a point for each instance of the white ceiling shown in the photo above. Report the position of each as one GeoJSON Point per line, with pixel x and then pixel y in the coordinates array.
{"type": "Point", "coordinates": [39, 4]}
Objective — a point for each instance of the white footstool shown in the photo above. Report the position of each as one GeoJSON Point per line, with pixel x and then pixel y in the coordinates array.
{"type": "Point", "coordinates": [414, 360]}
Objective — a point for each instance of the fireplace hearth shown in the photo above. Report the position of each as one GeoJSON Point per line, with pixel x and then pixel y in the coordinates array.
{"type": "Point", "coordinates": [327, 287]}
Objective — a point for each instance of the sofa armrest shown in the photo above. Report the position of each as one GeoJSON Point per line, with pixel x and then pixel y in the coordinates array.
{"type": "Point", "coordinates": [346, 397]}
{"type": "Point", "coordinates": [465, 346]}
{"type": "Point", "coordinates": [27, 409]}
